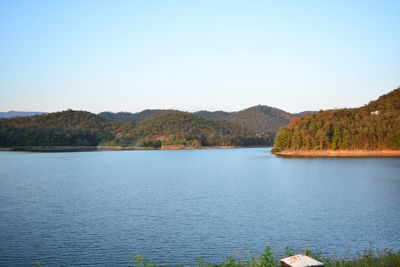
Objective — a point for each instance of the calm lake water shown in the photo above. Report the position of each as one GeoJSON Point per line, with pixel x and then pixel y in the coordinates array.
{"type": "Point", "coordinates": [101, 208]}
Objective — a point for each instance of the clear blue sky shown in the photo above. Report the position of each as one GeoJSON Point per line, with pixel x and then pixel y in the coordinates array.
{"type": "Point", "coordinates": [193, 55]}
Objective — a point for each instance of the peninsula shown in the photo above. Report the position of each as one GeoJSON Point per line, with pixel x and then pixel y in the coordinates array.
{"type": "Point", "coordinates": [369, 131]}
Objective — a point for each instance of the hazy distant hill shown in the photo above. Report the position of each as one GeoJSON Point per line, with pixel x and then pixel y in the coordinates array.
{"type": "Point", "coordinates": [263, 119]}
{"type": "Point", "coordinates": [214, 115]}
{"type": "Point", "coordinates": [189, 129]}
{"type": "Point", "coordinates": [119, 116]}
{"type": "Point", "coordinates": [372, 127]}
{"type": "Point", "coordinates": [11, 114]}
{"type": "Point", "coordinates": [135, 117]}
{"type": "Point", "coordinates": [259, 118]}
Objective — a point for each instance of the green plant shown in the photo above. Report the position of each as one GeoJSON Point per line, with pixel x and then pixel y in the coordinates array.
{"type": "Point", "coordinates": [142, 261]}
{"type": "Point", "coordinates": [317, 256]}
{"type": "Point", "coordinates": [254, 262]}
{"type": "Point", "coordinates": [267, 258]}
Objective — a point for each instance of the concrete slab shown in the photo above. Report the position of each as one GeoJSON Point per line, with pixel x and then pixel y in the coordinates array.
{"type": "Point", "coordinates": [300, 260]}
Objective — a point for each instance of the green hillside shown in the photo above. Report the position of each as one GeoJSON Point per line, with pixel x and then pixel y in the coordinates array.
{"type": "Point", "coordinates": [214, 115]}
{"type": "Point", "coordinates": [375, 126]}
{"type": "Point", "coordinates": [67, 128]}
{"type": "Point", "coordinates": [119, 116]}
{"type": "Point", "coordinates": [188, 129]}
{"type": "Point", "coordinates": [263, 119]}
{"type": "Point", "coordinates": [80, 128]}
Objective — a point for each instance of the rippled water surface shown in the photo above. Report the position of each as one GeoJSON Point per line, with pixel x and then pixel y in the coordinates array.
{"type": "Point", "coordinates": [101, 208]}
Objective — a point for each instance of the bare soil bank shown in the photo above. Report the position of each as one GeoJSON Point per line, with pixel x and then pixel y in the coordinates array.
{"type": "Point", "coordinates": [339, 153]}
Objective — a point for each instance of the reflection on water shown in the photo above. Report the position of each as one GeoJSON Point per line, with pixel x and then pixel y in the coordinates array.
{"type": "Point", "coordinates": [101, 208]}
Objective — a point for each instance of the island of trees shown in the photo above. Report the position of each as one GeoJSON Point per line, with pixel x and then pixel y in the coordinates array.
{"type": "Point", "coordinates": [375, 126]}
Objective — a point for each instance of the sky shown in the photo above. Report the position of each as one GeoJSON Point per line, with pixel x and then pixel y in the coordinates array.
{"type": "Point", "coordinates": [196, 55]}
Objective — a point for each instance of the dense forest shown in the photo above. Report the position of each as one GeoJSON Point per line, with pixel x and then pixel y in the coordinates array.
{"type": "Point", "coordinates": [80, 128]}
{"type": "Point", "coordinates": [375, 126]}
{"type": "Point", "coordinates": [214, 115]}
{"type": "Point", "coordinates": [189, 129]}
{"type": "Point", "coordinates": [67, 128]}
{"type": "Point", "coordinates": [262, 119]}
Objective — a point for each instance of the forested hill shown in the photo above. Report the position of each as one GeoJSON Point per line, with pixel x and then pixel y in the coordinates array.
{"type": "Point", "coordinates": [262, 119]}
{"type": "Point", "coordinates": [119, 116]}
{"type": "Point", "coordinates": [136, 117]}
{"type": "Point", "coordinates": [80, 128]}
{"type": "Point", "coordinates": [67, 128]}
{"type": "Point", "coordinates": [375, 126]}
{"type": "Point", "coordinates": [188, 129]}
{"type": "Point", "coordinates": [214, 115]}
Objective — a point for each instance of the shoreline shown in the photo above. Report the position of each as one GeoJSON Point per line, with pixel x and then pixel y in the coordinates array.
{"type": "Point", "coordinates": [338, 153]}
{"type": "Point", "coordinates": [113, 148]}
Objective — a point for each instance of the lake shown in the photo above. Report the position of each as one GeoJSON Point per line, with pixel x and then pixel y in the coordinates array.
{"type": "Point", "coordinates": [104, 207]}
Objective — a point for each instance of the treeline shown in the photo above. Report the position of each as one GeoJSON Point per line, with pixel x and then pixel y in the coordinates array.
{"type": "Point", "coordinates": [80, 128]}
{"type": "Point", "coordinates": [375, 126]}
{"type": "Point", "coordinates": [135, 117]}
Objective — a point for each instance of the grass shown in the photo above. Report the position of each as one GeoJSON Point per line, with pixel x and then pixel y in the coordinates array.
{"type": "Point", "coordinates": [370, 258]}
{"type": "Point", "coordinates": [381, 258]}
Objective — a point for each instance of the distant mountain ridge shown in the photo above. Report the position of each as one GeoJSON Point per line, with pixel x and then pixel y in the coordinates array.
{"type": "Point", "coordinates": [214, 115]}
{"type": "Point", "coordinates": [12, 113]}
